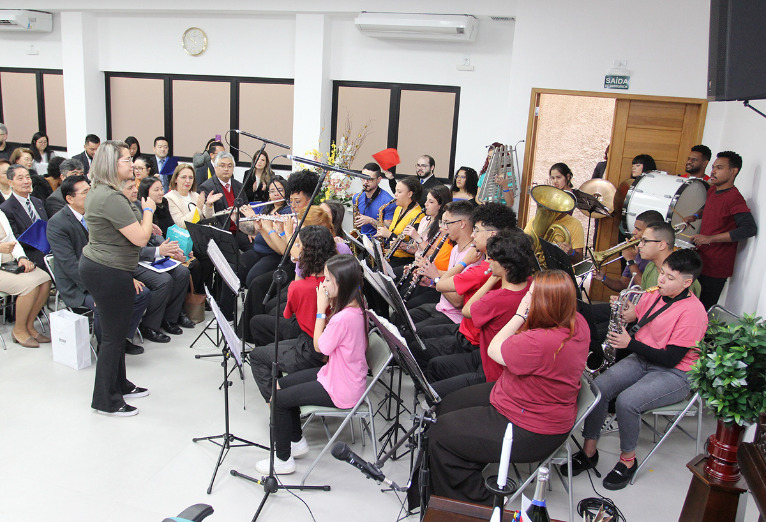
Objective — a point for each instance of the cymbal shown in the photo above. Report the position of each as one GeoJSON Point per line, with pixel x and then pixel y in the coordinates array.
{"type": "Point", "coordinates": [603, 190]}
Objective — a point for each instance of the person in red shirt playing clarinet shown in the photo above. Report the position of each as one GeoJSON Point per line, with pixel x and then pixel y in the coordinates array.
{"type": "Point", "coordinates": [726, 220]}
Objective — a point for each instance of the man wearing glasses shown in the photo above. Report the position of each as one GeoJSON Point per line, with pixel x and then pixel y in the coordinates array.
{"type": "Point", "coordinates": [424, 169]}
{"type": "Point", "coordinates": [655, 246]}
{"type": "Point", "coordinates": [6, 147]}
{"type": "Point", "coordinates": [223, 183]}
{"type": "Point", "coordinates": [369, 201]}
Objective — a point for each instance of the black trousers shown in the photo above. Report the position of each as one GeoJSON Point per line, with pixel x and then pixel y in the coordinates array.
{"type": "Point", "coordinates": [447, 344]}
{"type": "Point", "coordinates": [296, 390]}
{"type": "Point", "coordinates": [449, 373]}
{"type": "Point", "coordinates": [294, 355]}
{"type": "Point", "coordinates": [109, 287]}
{"type": "Point", "coordinates": [168, 292]}
{"type": "Point", "coordinates": [458, 454]}
{"type": "Point", "coordinates": [711, 290]}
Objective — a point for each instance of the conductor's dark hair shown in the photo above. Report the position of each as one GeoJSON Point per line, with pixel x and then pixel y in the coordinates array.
{"type": "Point", "coordinates": [686, 261]}
{"type": "Point", "coordinates": [302, 181]}
{"type": "Point", "coordinates": [735, 160]}
{"type": "Point", "coordinates": [704, 150]}
{"type": "Point", "coordinates": [67, 186]}
{"type": "Point", "coordinates": [514, 251]}
{"type": "Point", "coordinates": [413, 184]}
{"type": "Point", "coordinates": [318, 247]}
{"type": "Point", "coordinates": [495, 215]}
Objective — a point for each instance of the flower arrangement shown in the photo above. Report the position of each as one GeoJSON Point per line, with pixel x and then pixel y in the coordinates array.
{"type": "Point", "coordinates": [341, 154]}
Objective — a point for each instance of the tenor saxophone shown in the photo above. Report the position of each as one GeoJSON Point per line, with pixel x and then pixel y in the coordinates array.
{"type": "Point", "coordinates": [617, 323]}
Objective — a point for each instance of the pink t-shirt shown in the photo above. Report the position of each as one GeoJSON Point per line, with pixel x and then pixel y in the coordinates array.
{"type": "Point", "coordinates": [344, 341]}
{"type": "Point", "coordinates": [444, 306]}
{"type": "Point", "coordinates": [538, 388]}
{"type": "Point", "coordinates": [683, 324]}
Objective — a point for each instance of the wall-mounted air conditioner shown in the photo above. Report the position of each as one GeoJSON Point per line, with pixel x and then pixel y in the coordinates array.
{"type": "Point", "coordinates": [459, 28]}
{"type": "Point", "coordinates": [22, 20]}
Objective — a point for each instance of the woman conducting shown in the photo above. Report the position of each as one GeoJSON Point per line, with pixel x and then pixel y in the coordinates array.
{"type": "Point", "coordinates": [543, 350]}
{"type": "Point", "coordinates": [106, 268]}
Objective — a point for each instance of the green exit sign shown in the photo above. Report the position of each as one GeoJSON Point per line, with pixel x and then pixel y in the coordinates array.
{"type": "Point", "coordinates": [614, 81]}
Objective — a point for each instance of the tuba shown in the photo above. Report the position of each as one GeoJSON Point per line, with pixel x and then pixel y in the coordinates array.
{"type": "Point", "coordinates": [550, 203]}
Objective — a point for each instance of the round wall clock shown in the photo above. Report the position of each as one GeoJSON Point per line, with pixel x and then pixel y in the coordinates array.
{"type": "Point", "coordinates": [194, 41]}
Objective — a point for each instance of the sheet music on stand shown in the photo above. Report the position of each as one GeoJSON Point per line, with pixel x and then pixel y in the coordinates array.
{"type": "Point", "coordinates": [403, 355]}
{"type": "Point", "coordinates": [228, 331]}
{"type": "Point", "coordinates": [223, 266]}
{"type": "Point", "coordinates": [376, 251]}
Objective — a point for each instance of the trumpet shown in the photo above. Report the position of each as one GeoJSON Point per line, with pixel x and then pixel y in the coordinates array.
{"type": "Point", "coordinates": [252, 205]}
{"type": "Point", "coordinates": [601, 256]}
{"type": "Point", "coordinates": [280, 218]}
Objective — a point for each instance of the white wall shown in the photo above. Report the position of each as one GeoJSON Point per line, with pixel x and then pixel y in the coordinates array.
{"type": "Point", "coordinates": [15, 45]}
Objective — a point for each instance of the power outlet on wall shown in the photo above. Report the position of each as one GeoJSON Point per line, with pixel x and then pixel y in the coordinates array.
{"type": "Point", "coordinates": [32, 49]}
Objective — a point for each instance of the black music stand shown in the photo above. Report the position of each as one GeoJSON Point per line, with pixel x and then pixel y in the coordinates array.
{"type": "Point", "coordinates": [227, 439]}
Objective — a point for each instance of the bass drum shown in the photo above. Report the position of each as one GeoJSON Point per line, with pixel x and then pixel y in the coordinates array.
{"type": "Point", "coordinates": [672, 196]}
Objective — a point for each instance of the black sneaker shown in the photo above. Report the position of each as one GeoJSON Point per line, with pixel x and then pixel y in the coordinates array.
{"type": "Point", "coordinates": [132, 349]}
{"type": "Point", "coordinates": [184, 321]}
{"type": "Point", "coordinates": [126, 411]}
{"type": "Point", "coordinates": [580, 464]}
{"type": "Point", "coordinates": [171, 328]}
{"type": "Point", "coordinates": [620, 476]}
{"type": "Point", "coordinates": [136, 392]}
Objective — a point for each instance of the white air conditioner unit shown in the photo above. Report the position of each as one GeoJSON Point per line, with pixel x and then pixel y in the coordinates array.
{"type": "Point", "coordinates": [21, 20]}
{"type": "Point", "coordinates": [441, 27]}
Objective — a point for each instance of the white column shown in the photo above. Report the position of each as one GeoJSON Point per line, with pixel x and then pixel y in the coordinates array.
{"type": "Point", "coordinates": [313, 87]}
{"type": "Point", "coordinates": [83, 81]}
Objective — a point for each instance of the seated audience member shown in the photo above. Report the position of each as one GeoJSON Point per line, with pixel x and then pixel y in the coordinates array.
{"type": "Point", "coordinates": [561, 178]}
{"type": "Point", "coordinates": [92, 142]}
{"type": "Point", "coordinates": [456, 223]}
{"type": "Point", "coordinates": [671, 322]}
{"type": "Point", "coordinates": [341, 382]}
{"type": "Point", "coordinates": [634, 263]}
{"type": "Point", "coordinates": [656, 245]}
{"type": "Point", "coordinates": [55, 201]}
{"type": "Point", "coordinates": [5, 186]}
{"type": "Point", "coordinates": [134, 148]}
{"type": "Point", "coordinates": [143, 168]}
{"type": "Point", "coordinates": [183, 200]}
{"type": "Point", "coordinates": [206, 170]}
{"type": "Point", "coordinates": [542, 349]}
{"type": "Point", "coordinates": [466, 185]}
{"type": "Point", "coordinates": [511, 258]}
{"type": "Point", "coordinates": [488, 220]}
{"type": "Point", "coordinates": [67, 235]}
{"type": "Point", "coordinates": [408, 212]}
{"type": "Point", "coordinates": [23, 156]}
{"type": "Point", "coordinates": [6, 147]}
{"type": "Point", "coordinates": [42, 153]}
{"type": "Point", "coordinates": [53, 177]}
{"type": "Point", "coordinates": [32, 287]}
{"type": "Point", "coordinates": [23, 209]}
{"type": "Point", "coordinates": [257, 187]}
{"type": "Point", "coordinates": [168, 288]}
{"type": "Point", "coordinates": [151, 187]}
{"type": "Point", "coordinates": [312, 248]}
{"type": "Point", "coordinates": [222, 188]}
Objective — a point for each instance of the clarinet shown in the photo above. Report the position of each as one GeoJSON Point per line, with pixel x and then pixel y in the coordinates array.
{"type": "Point", "coordinates": [401, 237]}
{"type": "Point", "coordinates": [407, 272]}
{"type": "Point", "coordinates": [416, 280]}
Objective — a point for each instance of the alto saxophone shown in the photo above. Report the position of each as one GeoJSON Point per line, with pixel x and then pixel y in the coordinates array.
{"type": "Point", "coordinates": [355, 233]}
{"type": "Point", "coordinates": [617, 323]}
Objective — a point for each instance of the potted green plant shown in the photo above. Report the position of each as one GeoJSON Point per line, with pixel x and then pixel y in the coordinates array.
{"type": "Point", "coordinates": [730, 376]}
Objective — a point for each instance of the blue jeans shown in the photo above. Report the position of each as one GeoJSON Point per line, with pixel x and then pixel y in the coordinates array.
{"type": "Point", "coordinates": [638, 386]}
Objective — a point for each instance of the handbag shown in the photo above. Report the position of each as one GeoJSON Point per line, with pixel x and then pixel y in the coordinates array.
{"type": "Point", "coordinates": [176, 233]}
{"type": "Point", "coordinates": [70, 339]}
{"type": "Point", "coordinates": [13, 267]}
{"type": "Point", "coordinates": [194, 304]}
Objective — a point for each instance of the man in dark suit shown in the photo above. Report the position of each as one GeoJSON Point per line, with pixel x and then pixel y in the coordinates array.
{"type": "Point", "coordinates": [67, 236]}
{"type": "Point", "coordinates": [223, 183]}
{"type": "Point", "coordinates": [4, 185]}
{"type": "Point", "coordinates": [205, 171]}
{"type": "Point", "coordinates": [86, 157]}
{"type": "Point", "coordinates": [6, 147]}
{"type": "Point", "coordinates": [55, 202]}
{"type": "Point", "coordinates": [424, 169]}
{"type": "Point", "coordinates": [23, 209]}
{"type": "Point", "coordinates": [163, 164]}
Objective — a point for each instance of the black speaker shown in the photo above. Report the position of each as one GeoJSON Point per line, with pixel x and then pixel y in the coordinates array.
{"type": "Point", "coordinates": [737, 54]}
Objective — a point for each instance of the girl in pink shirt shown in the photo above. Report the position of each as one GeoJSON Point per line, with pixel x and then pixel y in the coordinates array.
{"type": "Point", "coordinates": [339, 383]}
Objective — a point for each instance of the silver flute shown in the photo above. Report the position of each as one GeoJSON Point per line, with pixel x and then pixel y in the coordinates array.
{"type": "Point", "coordinates": [252, 205]}
{"type": "Point", "coordinates": [281, 218]}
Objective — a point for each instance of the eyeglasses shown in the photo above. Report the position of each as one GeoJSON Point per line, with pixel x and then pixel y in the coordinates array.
{"type": "Point", "coordinates": [82, 192]}
{"type": "Point", "coordinates": [126, 160]}
{"type": "Point", "coordinates": [424, 166]}
{"type": "Point", "coordinates": [460, 177]}
{"type": "Point", "coordinates": [227, 166]}
{"type": "Point", "coordinates": [645, 241]}
{"type": "Point", "coordinates": [443, 223]}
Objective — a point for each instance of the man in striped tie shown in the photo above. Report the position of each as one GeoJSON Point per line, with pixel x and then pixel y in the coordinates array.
{"type": "Point", "coordinates": [23, 209]}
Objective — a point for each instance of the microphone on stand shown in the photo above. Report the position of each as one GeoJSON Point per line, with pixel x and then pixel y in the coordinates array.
{"type": "Point", "coordinates": [341, 451]}
{"type": "Point", "coordinates": [249, 135]}
{"type": "Point", "coordinates": [325, 166]}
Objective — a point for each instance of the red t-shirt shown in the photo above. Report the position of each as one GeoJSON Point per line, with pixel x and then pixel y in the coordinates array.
{"type": "Point", "coordinates": [718, 217]}
{"type": "Point", "coordinates": [538, 388]}
{"type": "Point", "coordinates": [682, 324]}
{"type": "Point", "coordinates": [490, 314]}
{"type": "Point", "coordinates": [468, 283]}
{"type": "Point", "coordinates": [302, 301]}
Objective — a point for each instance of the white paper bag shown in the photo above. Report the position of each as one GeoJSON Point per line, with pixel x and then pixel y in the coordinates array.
{"type": "Point", "coordinates": [71, 339]}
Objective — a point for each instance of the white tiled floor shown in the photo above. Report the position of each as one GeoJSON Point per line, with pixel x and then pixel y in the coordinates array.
{"type": "Point", "coordinates": [61, 461]}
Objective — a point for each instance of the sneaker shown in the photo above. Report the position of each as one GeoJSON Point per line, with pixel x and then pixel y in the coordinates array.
{"type": "Point", "coordinates": [300, 448]}
{"type": "Point", "coordinates": [136, 392]}
{"type": "Point", "coordinates": [580, 464]}
{"type": "Point", "coordinates": [610, 425]}
{"type": "Point", "coordinates": [620, 476]}
{"type": "Point", "coordinates": [126, 411]}
{"type": "Point", "coordinates": [281, 467]}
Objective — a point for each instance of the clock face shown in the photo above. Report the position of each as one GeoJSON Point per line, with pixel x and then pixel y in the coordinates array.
{"type": "Point", "coordinates": [194, 41]}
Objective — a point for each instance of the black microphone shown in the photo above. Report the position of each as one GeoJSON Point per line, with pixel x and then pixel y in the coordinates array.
{"type": "Point", "coordinates": [325, 166]}
{"type": "Point", "coordinates": [243, 133]}
{"type": "Point", "coordinates": [341, 451]}
{"type": "Point", "coordinates": [200, 159]}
